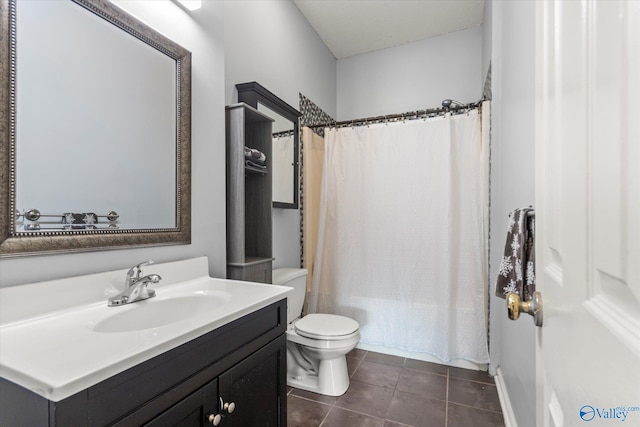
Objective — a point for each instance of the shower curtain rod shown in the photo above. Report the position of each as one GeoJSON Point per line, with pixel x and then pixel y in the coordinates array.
{"type": "Point", "coordinates": [411, 115]}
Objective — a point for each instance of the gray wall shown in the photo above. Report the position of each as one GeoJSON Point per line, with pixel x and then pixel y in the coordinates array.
{"type": "Point", "coordinates": [487, 37]}
{"type": "Point", "coordinates": [271, 42]}
{"type": "Point", "coordinates": [512, 344]}
{"type": "Point", "coordinates": [202, 33]}
{"type": "Point", "coordinates": [412, 76]}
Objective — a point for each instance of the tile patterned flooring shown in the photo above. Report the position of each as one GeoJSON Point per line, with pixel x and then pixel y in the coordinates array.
{"type": "Point", "coordinates": [391, 391]}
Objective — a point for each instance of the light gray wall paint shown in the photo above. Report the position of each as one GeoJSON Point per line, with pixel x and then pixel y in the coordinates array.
{"type": "Point", "coordinates": [412, 77]}
{"type": "Point", "coordinates": [271, 42]}
{"type": "Point", "coordinates": [487, 25]}
{"type": "Point", "coordinates": [512, 186]}
{"type": "Point", "coordinates": [201, 32]}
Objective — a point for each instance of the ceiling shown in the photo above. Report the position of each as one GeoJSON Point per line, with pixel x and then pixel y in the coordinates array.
{"type": "Point", "coordinates": [352, 27]}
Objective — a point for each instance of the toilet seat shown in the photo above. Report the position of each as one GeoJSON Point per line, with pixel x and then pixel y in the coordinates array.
{"type": "Point", "coordinates": [326, 327]}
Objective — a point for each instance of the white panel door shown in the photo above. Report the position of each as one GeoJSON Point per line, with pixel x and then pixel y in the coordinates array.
{"type": "Point", "coordinates": [588, 212]}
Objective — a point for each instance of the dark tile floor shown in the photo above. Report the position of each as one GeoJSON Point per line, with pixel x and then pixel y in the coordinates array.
{"type": "Point", "coordinates": [391, 391]}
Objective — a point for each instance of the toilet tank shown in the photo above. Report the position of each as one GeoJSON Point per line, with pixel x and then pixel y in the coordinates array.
{"type": "Point", "coordinates": [297, 279]}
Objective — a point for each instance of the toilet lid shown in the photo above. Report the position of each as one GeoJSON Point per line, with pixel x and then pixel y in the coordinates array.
{"type": "Point", "coordinates": [325, 325]}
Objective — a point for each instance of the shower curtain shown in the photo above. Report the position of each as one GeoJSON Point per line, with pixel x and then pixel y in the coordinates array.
{"type": "Point", "coordinates": [313, 155]}
{"type": "Point", "coordinates": [402, 235]}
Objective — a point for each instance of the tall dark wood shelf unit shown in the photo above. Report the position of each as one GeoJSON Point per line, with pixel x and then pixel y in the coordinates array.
{"type": "Point", "coordinates": [249, 228]}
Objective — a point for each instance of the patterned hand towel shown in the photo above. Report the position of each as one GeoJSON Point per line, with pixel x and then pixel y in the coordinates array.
{"type": "Point", "coordinates": [79, 221]}
{"type": "Point", "coordinates": [517, 268]}
{"type": "Point", "coordinates": [79, 218]}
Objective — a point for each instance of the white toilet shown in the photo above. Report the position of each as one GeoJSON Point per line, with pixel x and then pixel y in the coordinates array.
{"type": "Point", "coordinates": [316, 343]}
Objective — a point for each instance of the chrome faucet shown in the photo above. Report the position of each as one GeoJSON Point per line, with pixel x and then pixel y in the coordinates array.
{"type": "Point", "coordinates": [136, 286]}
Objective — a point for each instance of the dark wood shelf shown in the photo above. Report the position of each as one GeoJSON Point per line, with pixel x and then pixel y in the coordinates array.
{"type": "Point", "coordinates": [249, 228]}
{"type": "Point", "coordinates": [255, 171]}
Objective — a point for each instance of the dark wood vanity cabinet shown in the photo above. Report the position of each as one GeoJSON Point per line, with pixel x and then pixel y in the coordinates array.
{"type": "Point", "coordinates": [250, 386]}
{"type": "Point", "coordinates": [242, 365]}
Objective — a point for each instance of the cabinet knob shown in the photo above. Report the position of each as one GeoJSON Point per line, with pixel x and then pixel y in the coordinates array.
{"type": "Point", "coordinates": [229, 407]}
{"type": "Point", "coordinates": [215, 419]}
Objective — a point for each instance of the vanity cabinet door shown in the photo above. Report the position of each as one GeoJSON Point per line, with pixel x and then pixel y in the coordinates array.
{"type": "Point", "coordinates": [257, 388]}
{"type": "Point", "coordinates": [193, 411]}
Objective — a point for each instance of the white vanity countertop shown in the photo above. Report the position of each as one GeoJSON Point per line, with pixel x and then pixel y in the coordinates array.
{"type": "Point", "coordinates": [50, 339]}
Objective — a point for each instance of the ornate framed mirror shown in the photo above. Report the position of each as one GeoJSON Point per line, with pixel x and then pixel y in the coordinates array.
{"type": "Point", "coordinates": [285, 164]}
{"type": "Point", "coordinates": [95, 123]}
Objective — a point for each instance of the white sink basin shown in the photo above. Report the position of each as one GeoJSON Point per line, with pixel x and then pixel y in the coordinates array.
{"type": "Point", "coordinates": [156, 312]}
{"type": "Point", "coordinates": [69, 318]}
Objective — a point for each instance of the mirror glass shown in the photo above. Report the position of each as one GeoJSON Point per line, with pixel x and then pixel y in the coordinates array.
{"type": "Point", "coordinates": [283, 158]}
{"type": "Point", "coordinates": [100, 130]}
{"type": "Point", "coordinates": [114, 154]}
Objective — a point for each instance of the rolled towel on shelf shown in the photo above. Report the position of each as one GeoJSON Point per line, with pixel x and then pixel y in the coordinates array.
{"type": "Point", "coordinates": [254, 155]}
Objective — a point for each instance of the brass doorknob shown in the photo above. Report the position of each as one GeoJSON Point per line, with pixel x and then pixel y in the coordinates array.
{"type": "Point", "coordinates": [532, 307]}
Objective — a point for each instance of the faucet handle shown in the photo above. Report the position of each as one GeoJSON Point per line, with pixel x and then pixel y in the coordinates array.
{"type": "Point", "coordinates": [136, 271]}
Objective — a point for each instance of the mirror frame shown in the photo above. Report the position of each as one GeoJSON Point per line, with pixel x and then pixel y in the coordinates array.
{"type": "Point", "coordinates": [252, 93]}
{"type": "Point", "coordinates": [13, 243]}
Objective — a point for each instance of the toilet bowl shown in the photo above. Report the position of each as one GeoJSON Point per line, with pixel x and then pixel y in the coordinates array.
{"type": "Point", "coordinates": [316, 343]}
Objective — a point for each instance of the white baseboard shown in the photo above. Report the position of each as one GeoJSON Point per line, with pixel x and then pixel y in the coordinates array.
{"type": "Point", "coordinates": [505, 401]}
